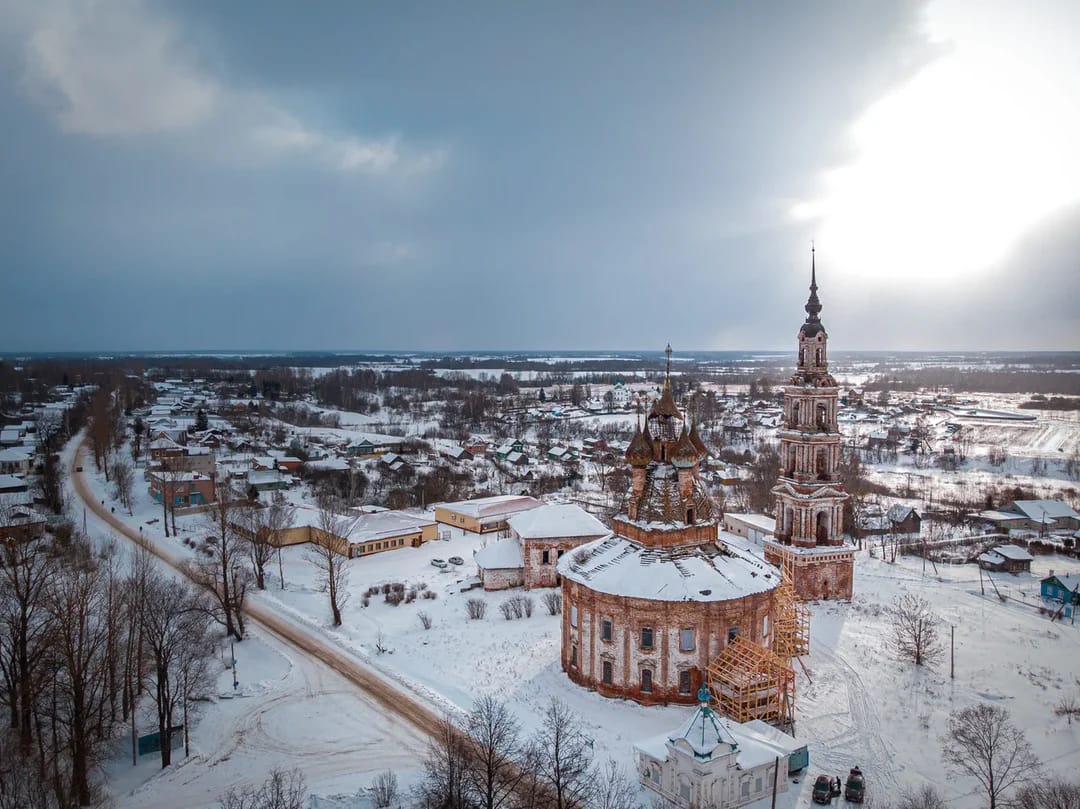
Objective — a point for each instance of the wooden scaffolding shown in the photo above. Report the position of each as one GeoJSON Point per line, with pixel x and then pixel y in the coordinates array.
{"type": "Point", "coordinates": [751, 682]}
{"type": "Point", "coordinates": [792, 635]}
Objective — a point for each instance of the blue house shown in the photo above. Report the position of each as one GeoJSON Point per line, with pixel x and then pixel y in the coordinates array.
{"type": "Point", "coordinates": [1062, 590]}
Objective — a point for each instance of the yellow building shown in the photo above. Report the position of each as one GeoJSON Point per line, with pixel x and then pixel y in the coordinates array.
{"type": "Point", "coordinates": [484, 514]}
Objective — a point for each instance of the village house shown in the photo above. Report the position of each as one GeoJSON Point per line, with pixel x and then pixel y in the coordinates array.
{"type": "Point", "coordinates": [372, 444]}
{"type": "Point", "coordinates": [451, 450]}
{"type": "Point", "coordinates": [1044, 516]}
{"type": "Point", "coordinates": [515, 447]}
{"type": "Point", "coordinates": [16, 460]}
{"type": "Point", "coordinates": [903, 519]}
{"type": "Point", "coordinates": [19, 521]}
{"type": "Point", "coordinates": [484, 514]}
{"type": "Point", "coordinates": [710, 760]}
{"type": "Point", "coordinates": [1005, 558]}
{"type": "Point", "coordinates": [181, 488]}
{"type": "Point", "coordinates": [1061, 593]}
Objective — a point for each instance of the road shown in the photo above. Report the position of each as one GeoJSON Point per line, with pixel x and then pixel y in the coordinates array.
{"type": "Point", "coordinates": [388, 699]}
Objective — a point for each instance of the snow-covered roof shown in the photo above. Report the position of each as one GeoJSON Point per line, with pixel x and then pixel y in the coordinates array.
{"type": "Point", "coordinates": [495, 506]}
{"type": "Point", "coordinates": [756, 743]}
{"type": "Point", "coordinates": [556, 520]}
{"type": "Point", "coordinates": [502, 555]}
{"type": "Point", "coordinates": [1000, 516]}
{"type": "Point", "coordinates": [367, 527]}
{"type": "Point", "coordinates": [705, 572]}
{"type": "Point", "coordinates": [760, 521]}
{"type": "Point", "coordinates": [1050, 509]}
{"type": "Point", "coordinates": [11, 483]}
{"type": "Point", "coordinates": [899, 512]}
{"type": "Point", "coordinates": [1013, 552]}
{"type": "Point", "coordinates": [1070, 581]}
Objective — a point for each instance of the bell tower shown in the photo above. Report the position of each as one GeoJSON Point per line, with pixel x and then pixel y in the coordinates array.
{"type": "Point", "coordinates": [810, 493]}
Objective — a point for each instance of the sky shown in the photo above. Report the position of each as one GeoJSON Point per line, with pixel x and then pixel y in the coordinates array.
{"type": "Point", "coordinates": [202, 175]}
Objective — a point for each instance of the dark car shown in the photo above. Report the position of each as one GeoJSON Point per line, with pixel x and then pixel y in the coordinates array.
{"type": "Point", "coordinates": [456, 560]}
{"type": "Point", "coordinates": [823, 789]}
{"type": "Point", "coordinates": [855, 788]}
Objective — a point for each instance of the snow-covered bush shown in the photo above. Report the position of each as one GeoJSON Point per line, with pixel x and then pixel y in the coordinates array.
{"type": "Point", "coordinates": [507, 609]}
{"type": "Point", "coordinates": [425, 619]}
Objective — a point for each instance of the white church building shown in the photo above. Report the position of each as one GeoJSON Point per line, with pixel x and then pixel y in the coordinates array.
{"type": "Point", "coordinates": [710, 762]}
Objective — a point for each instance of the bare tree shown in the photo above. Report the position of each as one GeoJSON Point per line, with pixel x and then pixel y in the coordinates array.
{"type": "Point", "coordinates": [123, 482]}
{"type": "Point", "coordinates": [1053, 794]}
{"type": "Point", "coordinates": [284, 789]}
{"type": "Point", "coordinates": [383, 790]}
{"type": "Point", "coordinates": [613, 789]}
{"type": "Point", "coordinates": [561, 755]}
{"type": "Point", "coordinates": [914, 630]}
{"type": "Point", "coordinates": [445, 784]}
{"type": "Point", "coordinates": [1069, 706]}
{"type": "Point", "coordinates": [78, 602]}
{"type": "Point", "coordinates": [925, 797]}
{"type": "Point", "coordinates": [25, 577]}
{"type": "Point", "coordinates": [263, 526]}
{"type": "Point", "coordinates": [222, 571]}
{"type": "Point", "coordinates": [327, 554]}
{"type": "Point", "coordinates": [983, 742]}
{"type": "Point", "coordinates": [176, 635]}
{"type": "Point", "coordinates": [496, 751]}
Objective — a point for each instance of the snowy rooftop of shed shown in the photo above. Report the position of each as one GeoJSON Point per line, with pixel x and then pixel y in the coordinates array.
{"type": "Point", "coordinates": [556, 520]}
{"type": "Point", "coordinates": [705, 572]}
{"type": "Point", "coordinates": [502, 555]}
{"type": "Point", "coordinates": [493, 506]}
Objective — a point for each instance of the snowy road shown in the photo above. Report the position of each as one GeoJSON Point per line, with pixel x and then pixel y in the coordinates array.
{"type": "Point", "coordinates": [309, 717]}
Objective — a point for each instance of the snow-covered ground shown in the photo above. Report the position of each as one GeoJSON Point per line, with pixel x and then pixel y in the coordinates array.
{"type": "Point", "coordinates": [287, 711]}
{"type": "Point", "coordinates": [859, 705]}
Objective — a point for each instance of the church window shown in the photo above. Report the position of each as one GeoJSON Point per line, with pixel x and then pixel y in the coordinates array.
{"type": "Point", "coordinates": [646, 681]}
{"type": "Point", "coordinates": [765, 627]}
{"type": "Point", "coordinates": [545, 558]}
{"type": "Point", "coordinates": [686, 640]}
{"type": "Point", "coordinates": [606, 672]}
{"type": "Point", "coordinates": [732, 633]}
{"type": "Point", "coordinates": [746, 787]}
{"type": "Point", "coordinates": [573, 655]}
{"type": "Point", "coordinates": [757, 784]}
{"type": "Point", "coordinates": [605, 629]}
{"type": "Point", "coordinates": [646, 637]}
{"type": "Point", "coordinates": [684, 681]}
{"type": "Point", "coordinates": [573, 615]}
{"type": "Point", "coordinates": [684, 790]}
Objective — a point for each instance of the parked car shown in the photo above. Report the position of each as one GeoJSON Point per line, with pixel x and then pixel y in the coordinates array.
{"type": "Point", "coordinates": [855, 789]}
{"type": "Point", "coordinates": [823, 789]}
{"type": "Point", "coordinates": [440, 563]}
{"type": "Point", "coordinates": [456, 560]}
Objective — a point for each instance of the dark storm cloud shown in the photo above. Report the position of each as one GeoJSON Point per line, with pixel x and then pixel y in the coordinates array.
{"type": "Point", "coordinates": [378, 176]}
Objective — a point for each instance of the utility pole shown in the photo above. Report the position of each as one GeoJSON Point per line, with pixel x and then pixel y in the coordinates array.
{"type": "Point", "coordinates": [775, 776]}
{"type": "Point", "coordinates": [952, 651]}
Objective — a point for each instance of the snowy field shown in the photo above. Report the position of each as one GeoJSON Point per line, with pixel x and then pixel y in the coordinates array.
{"type": "Point", "coordinates": [859, 706]}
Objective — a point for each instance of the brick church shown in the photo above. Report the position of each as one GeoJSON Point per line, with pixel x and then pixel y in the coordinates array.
{"type": "Point", "coordinates": [647, 608]}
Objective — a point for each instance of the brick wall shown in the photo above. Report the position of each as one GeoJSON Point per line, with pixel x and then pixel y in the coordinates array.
{"type": "Point", "coordinates": [710, 622]}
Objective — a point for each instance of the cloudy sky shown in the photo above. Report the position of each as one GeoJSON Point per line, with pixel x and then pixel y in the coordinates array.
{"type": "Point", "coordinates": [262, 175]}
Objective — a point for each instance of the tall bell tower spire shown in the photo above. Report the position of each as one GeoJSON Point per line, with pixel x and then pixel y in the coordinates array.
{"type": "Point", "coordinates": [810, 492]}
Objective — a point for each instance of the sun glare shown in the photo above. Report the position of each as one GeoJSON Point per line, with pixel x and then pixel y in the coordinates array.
{"type": "Point", "coordinates": [952, 168]}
